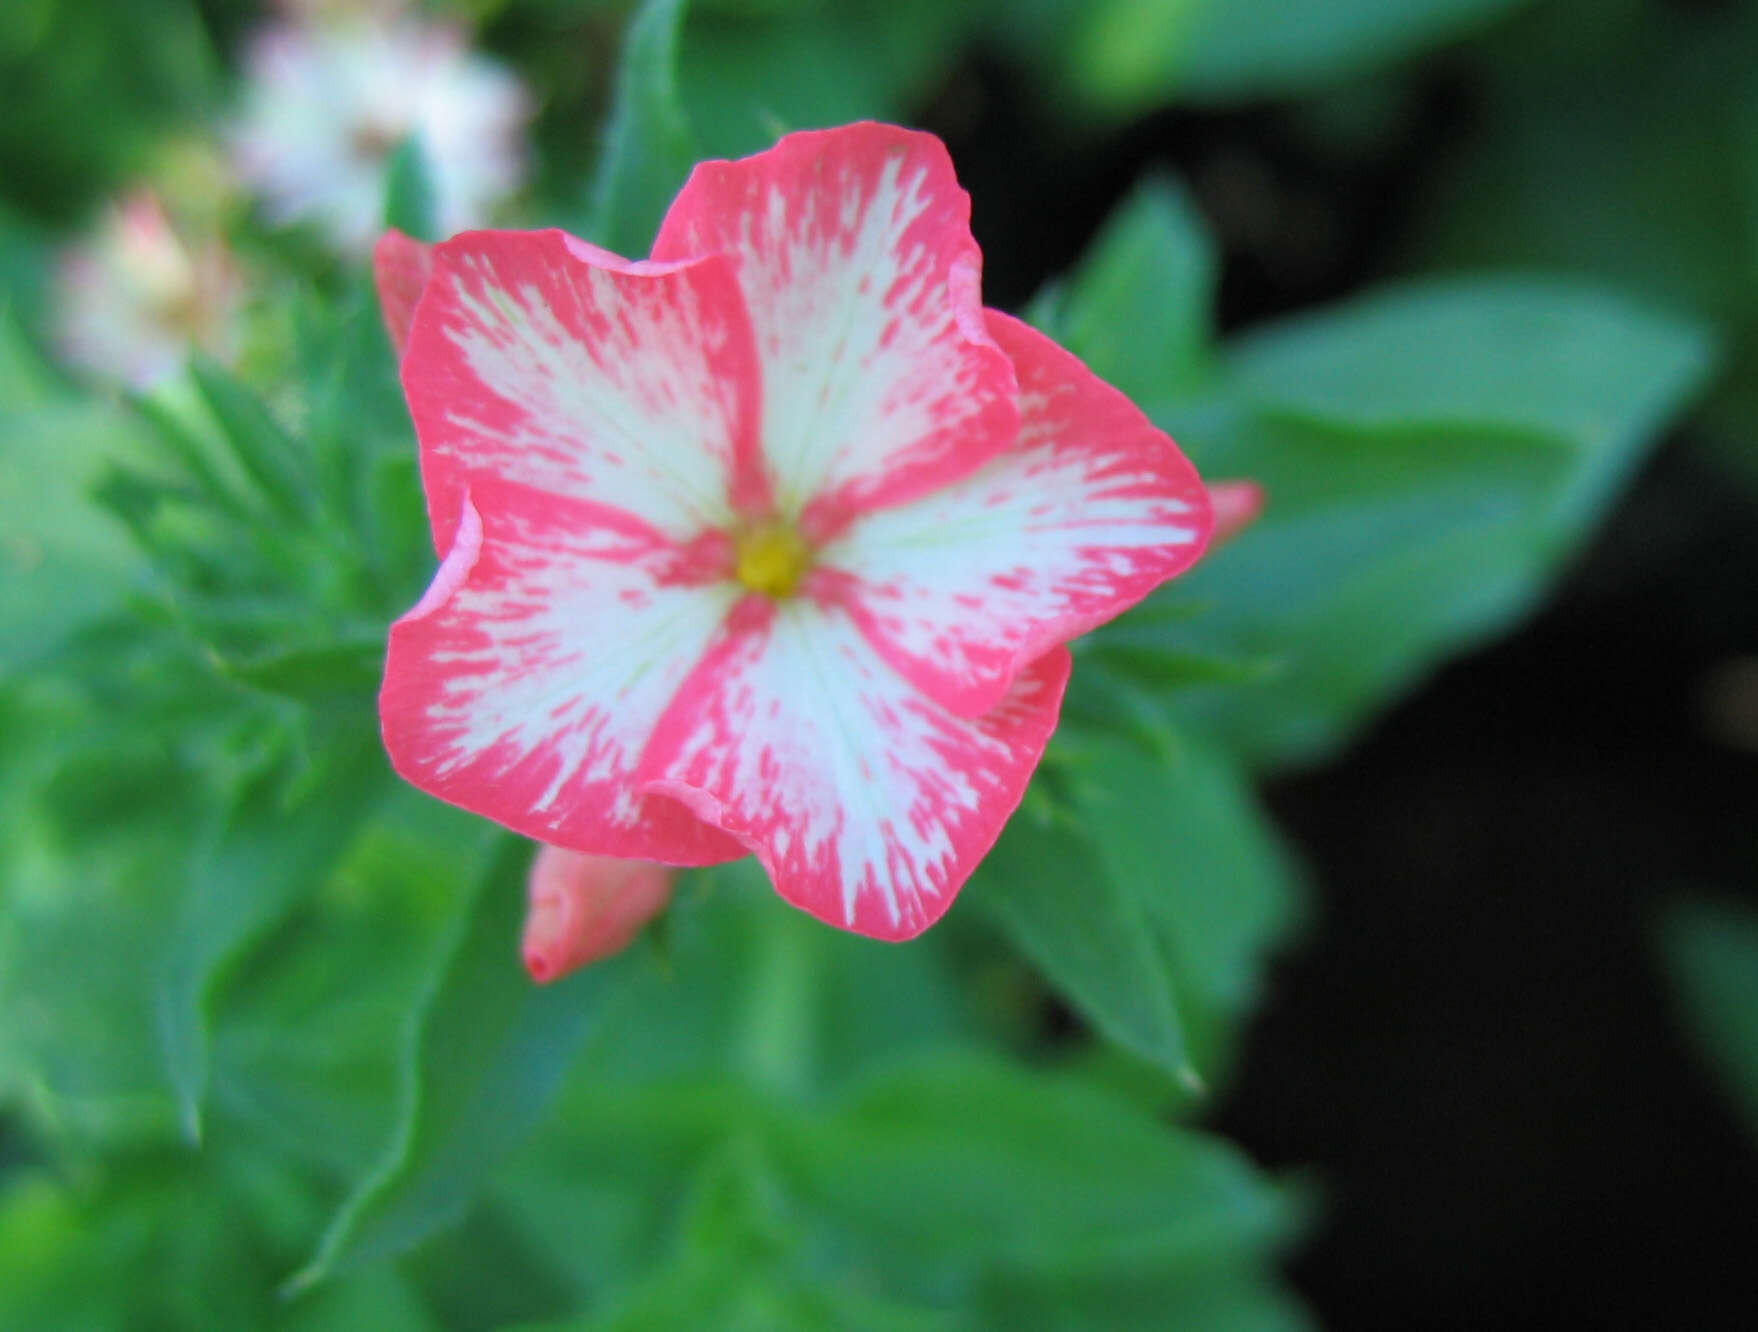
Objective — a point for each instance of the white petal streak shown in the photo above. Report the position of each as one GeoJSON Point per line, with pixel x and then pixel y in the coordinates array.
{"type": "Point", "coordinates": [629, 387]}
{"type": "Point", "coordinates": [868, 803]}
{"type": "Point", "coordinates": [862, 284]}
{"type": "Point", "coordinates": [1091, 509]}
{"type": "Point", "coordinates": [528, 693]}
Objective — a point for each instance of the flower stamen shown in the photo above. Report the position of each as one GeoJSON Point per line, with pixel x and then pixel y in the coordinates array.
{"type": "Point", "coordinates": [771, 559]}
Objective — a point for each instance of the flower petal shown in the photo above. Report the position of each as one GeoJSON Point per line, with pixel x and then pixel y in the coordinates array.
{"type": "Point", "coordinates": [401, 266]}
{"type": "Point", "coordinates": [862, 281]}
{"type": "Point", "coordinates": [539, 359]}
{"type": "Point", "coordinates": [868, 803]}
{"type": "Point", "coordinates": [1088, 513]}
{"type": "Point", "coordinates": [527, 681]}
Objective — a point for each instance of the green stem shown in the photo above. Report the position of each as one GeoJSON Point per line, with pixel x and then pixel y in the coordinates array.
{"type": "Point", "coordinates": [781, 1007]}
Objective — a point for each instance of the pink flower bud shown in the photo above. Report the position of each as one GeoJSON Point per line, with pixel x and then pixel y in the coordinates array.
{"type": "Point", "coordinates": [1237, 505]}
{"type": "Point", "coordinates": [584, 907]}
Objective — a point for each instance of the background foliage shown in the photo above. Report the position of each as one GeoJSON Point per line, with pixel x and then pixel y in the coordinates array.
{"type": "Point", "coordinates": [1437, 273]}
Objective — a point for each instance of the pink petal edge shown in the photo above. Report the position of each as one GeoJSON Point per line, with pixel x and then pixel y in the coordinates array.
{"type": "Point", "coordinates": [880, 380]}
{"type": "Point", "coordinates": [525, 684]}
{"type": "Point", "coordinates": [868, 804]}
{"type": "Point", "coordinates": [540, 360]}
{"type": "Point", "coordinates": [1091, 510]}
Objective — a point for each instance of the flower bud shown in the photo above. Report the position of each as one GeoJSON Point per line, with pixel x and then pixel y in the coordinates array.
{"type": "Point", "coordinates": [584, 907]}
{"type": "Point", "coordinates": [1237, 505]}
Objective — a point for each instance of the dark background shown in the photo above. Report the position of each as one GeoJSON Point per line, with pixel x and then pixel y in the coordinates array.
{"type": "Point", "coordinates": [1474, 1051]}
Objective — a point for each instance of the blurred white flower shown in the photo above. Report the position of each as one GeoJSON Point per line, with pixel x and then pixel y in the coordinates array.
{"type": "Point", "coordinates": [134, 298]}
{"type": "Point", "coordinates": [332, 96]}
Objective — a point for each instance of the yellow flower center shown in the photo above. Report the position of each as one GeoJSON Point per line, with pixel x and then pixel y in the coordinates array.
{"type": "Point", "coordinates": [771, 559]}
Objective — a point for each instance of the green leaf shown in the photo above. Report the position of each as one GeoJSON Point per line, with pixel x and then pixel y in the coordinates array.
{"type": "Point", "coordinates": [1127, 54]}
{"type": "Point", "coordinates": [161, 1239]}
{"type": "Point", "coordinates": [65, 561]}
{"type": "Point", "coordinates": [1218, 888]}
{"type": "Point", "coordinates": [488, 1050]}
{"type": "Point", "coordinates": [751, 985]}
{"type": "Point", "coordinates": [217, 480]}
{"type": "Point", "coordinates": [847, 61]}
{"type": "Point", "coordinates": [1138, 306]}
{"type": "Point", "coordinates": [1210, 1291]}
{"type": "Point", "coordinates": [409, 197]}
{"type": "Point", "coordinates": [1152, 901]}
{"type": "Point", "coordinates": [261, 447]}
{"type": "Point", "coordinates": [1711, 951]}
{"type": "Point", "coordinates": [1580, 161]}
{"type": "Point", "coordinates": [1431, 454]}
{"type": "Point", "coordinates": [1560, 357]}
{"type": "Point", "coordinates": [347, 669]}
{"type": "Point", "coordinates": [307, 1063]}
{"type": "Point", "coordinates": [91, 101]}
{"type": "Point", "coordinates": [650, 146]}
{"type": "Point", "coordinates": [892, 1206]}
{"type": "Point", "coordinates": [273, 847]}
{"type": "Point", "coordinates": [1087, 931]}
{"type": "Point", "coordinates": [950, 1160]}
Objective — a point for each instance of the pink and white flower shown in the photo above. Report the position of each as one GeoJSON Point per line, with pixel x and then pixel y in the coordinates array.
{"type": "Point", "coordinates": [132, 300]}
{"type": "Point", "coordinates": [768, 543]}
{"type": "Point", "coordinates": [330, 98]}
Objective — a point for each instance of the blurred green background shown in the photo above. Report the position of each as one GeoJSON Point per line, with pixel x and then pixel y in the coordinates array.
{"type": "Point", "coordinates": [1378, 945]}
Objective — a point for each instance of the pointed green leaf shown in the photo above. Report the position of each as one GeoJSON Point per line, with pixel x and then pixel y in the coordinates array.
{"type": "Point", "coordinates": [967, 1157]}
{"type": "Point", "coordinates": [1153, 899]}
{"type": "Point", "coordinates": [1430, 454]}
{"type": "Point", "coordinates": [895, 1204]}
{"type": "Point", "coordinates": [192, 455]}
{"type": "Point", "coordinates": [484, 1056]}
{"type": "Point", "coordinates": [270, 850]}
{"type": "Point", "coordinates": [650, 147]}
{"type": "Point", "coordinates": [1711, 948]}
{"type": "Point", "coordinates": [262, 448]}
{"type": "Point", "coordinates": [1087, 932]}
{"type": "Point", "coordinates": [1559, 357]}
{"type": "Point", "coordinates": [1138, 308]}
{"type": "Point", "coordinates": [342, 669]}
{"type": "Point", "coordinates": [1218, 888]}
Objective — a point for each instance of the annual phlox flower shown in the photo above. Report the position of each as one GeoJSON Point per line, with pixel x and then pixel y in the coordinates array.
{"type": "Point", "coordinates": [769, 543]}
{"type": "Point", "coordinates": [332, 92]}
{"type": "Point", "coordinates": [134, 297]}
